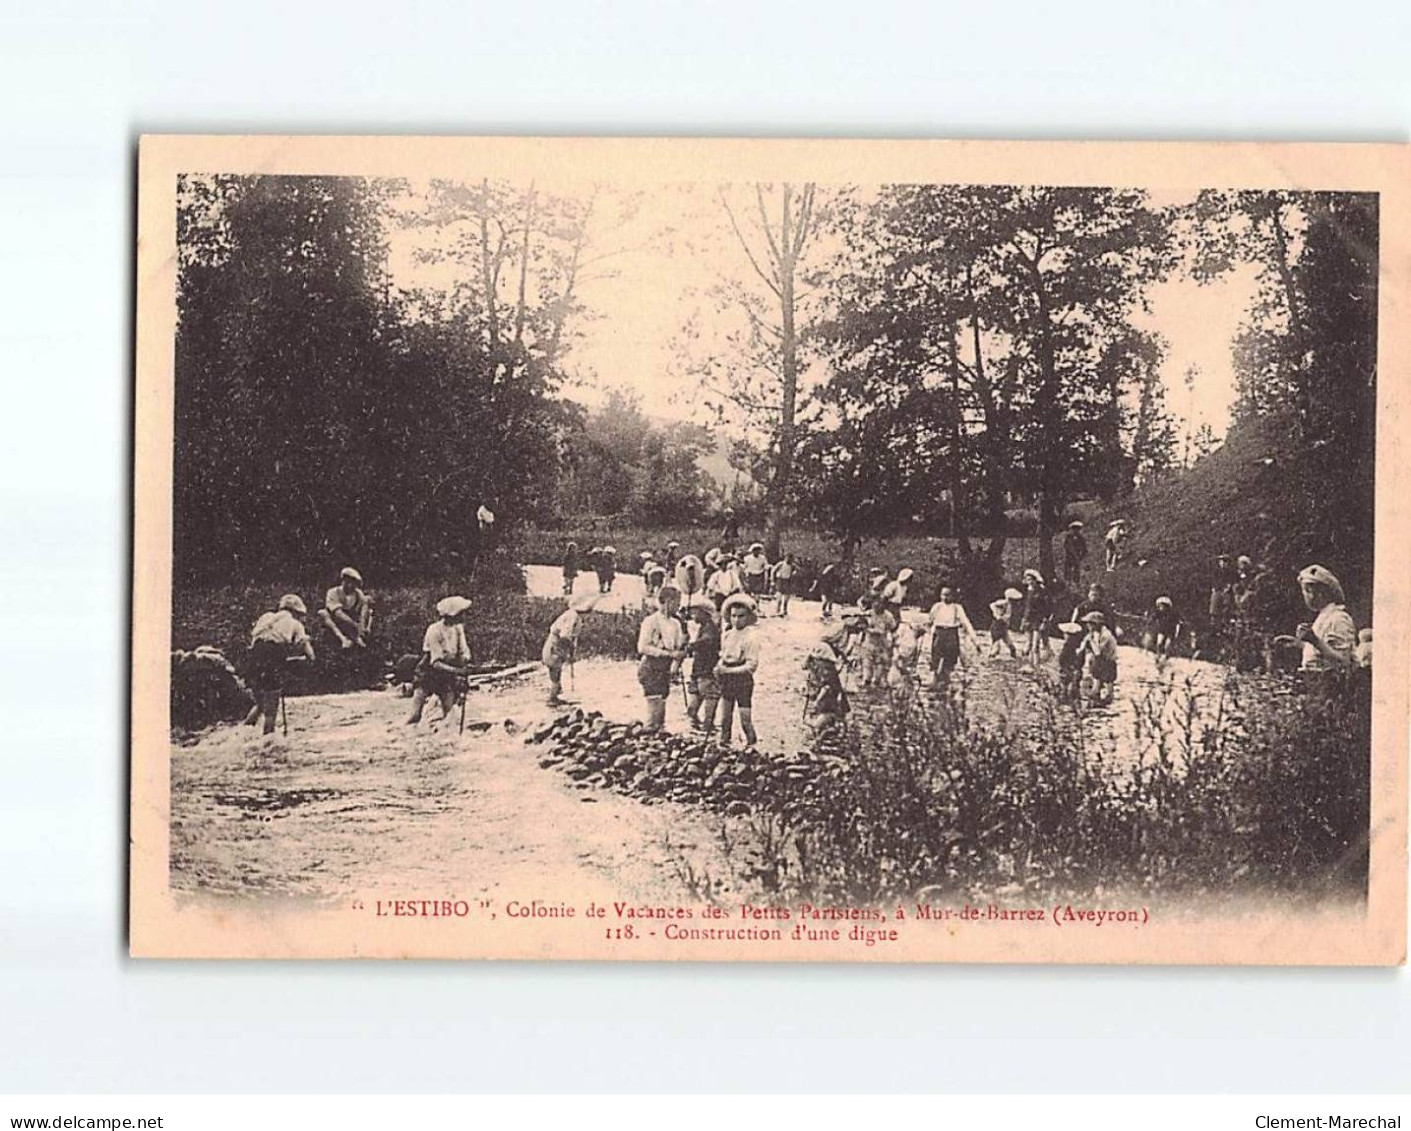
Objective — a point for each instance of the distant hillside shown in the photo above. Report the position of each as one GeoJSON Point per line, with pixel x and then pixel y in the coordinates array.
{"type": "Point", "coordinates": [1243, 498]}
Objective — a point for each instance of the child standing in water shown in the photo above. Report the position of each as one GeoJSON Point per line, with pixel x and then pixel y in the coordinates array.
{"type": "Point", "coordinates": [827, 586]}
{"type": "Point", "coordinates": [905, 654]}
{"type": "Point", "coordinates": [948, 621]}
{"type": "Point", "coordinates": [1164, 626]}
{"type": "Point", "coordinates": [1070, 661]}
{"type": "Point", "coordinates": [739, 660]}
{"type": "Point", "coordinates": [878, 638]}
{"type": "Point", "coordinates": [783, 578]}
{"type": "Point", "coordinates": [570, 568]}
{"type": "Point", "coordinates": [1100, 648]}
{"type": "Point", "coordinates": [703, 691]}
{"type": "Point", "coordinates": [1002, 610]}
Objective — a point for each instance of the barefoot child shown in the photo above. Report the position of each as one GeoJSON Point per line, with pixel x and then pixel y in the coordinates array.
{"type": "Point", "coordinates": [1100, 650]}
{"type": "Point", "coordinates": [661, 646]}
{"type": "Point", "coordinates": [1164, 626]}
{"type": "Point", "coordinates": [739, 660]}
{"type": "Point", "coordinates": [561, 645]}
{"type": "Point", "coordinates": [703, 691]}
{"type": "Point", "coordinates": [825, 701]}
{"type": "Point", "coordinates": [783, 580]}
{"type": "Point", "coordinates": [570, 568]}
{"type": "Point", "coordinates": [905, 654]}
{"type": "Point", "coordinates": [1038, 609]}
{"type": "Point", "coordinates": [1070, 661]}
{"type": "Point", "coordinates": [606, 568]}
{"type": "Point", "coordinates": [948, 621]}
{"type": "Point", "coordinates": [445, 658]}
{"type": "Point", "coordinates": [276, 637]}
{"type": "Point", "coordinates": [1002, 610]}
{"type": "Point", "coordinates": [878, 639]}
{"type": "Point", "coordinates": [827, 587]}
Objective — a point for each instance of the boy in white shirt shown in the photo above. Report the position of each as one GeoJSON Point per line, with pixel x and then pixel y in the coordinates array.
{"type": "Point", "coordinates": [275, 638]}
{"type": "Point", "coordinates": [445, 659]}
{"type": "Point", "coordinates": [948, 621]}
{"type": "Point", "coordinates": [739, 660]}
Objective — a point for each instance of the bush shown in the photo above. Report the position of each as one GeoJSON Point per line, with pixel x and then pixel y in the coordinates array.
{"type": "Point", "coordinates": [1273, 801]}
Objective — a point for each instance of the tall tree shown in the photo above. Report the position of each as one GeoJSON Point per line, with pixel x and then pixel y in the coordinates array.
{"type": "Point", "coordinates": [758, 373]}
{"type": "Point", "coordinates": [1307, 350]}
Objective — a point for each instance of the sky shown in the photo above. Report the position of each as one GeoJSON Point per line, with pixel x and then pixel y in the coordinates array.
{"type": "Point", "coordinates": [664, 250]}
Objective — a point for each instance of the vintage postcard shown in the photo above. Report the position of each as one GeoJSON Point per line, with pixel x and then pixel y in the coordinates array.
{"type": "Point", "coordinates": [885, 551]}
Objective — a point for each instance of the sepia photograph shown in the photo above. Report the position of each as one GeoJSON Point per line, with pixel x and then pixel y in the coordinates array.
{"type": "Point", "coordinates": [649, 550]}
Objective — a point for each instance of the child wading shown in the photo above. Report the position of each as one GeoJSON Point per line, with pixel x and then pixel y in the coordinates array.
{"type": "Point", "coordinates": [825, 701]}
{"type": "Point", "coordinates": [827, 585]}
{"type": "Point", "coordinates": [1070, 661]}
{"type": "Point", "coordinates": [561, 645]}
{"type": "Point", "coordinates": [1164, 626]}
{"type": "Point", "coordinates": [703, 691]}
{"type": "Point", "coordinates": [653, 578]}
{"type": "Point", "coordinates": [894, 592]}
{"type": "Point", "coordinates": [1075, 552]}
{"type": "Point", "coordinates": [877, 642]}
{"type": "Point", "coordinates": [754, 571]}
{"type": "Point", "coordinates": [275, 638]}
{"type": "Point", "coordinates": [570, 568]}
{"type": "Point", "coordinates": [1002, 610]}
{"type": "Point", "coordinates": [724, 582]}
{"type": "Point", "coordinates": [905, 653]}
{"type": "Point", "coordinates": [1100, 649]}
{"type": "Point", "coordinates": [782, 577]}
{"type": "Point", "coordinates": [739, 660]}
{"type": "Point", "coordinates": [606, 567]}
{"type": "Point", "coordinates": [445, 658]}
{"type": "Point", "coordinates": [1034, 621]}
{"type": "Point", "coordinates": [948, 621]}
{"type": "Point", "coordinates": [661, 644]}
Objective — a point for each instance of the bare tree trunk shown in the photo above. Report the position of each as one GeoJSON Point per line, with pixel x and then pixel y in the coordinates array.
{"type": "Point", "coordinates": [785, 251]}
{"type": "Point", "coordinates": [958, 529]}
{"type": "Point", "coordinates": [487, 271]}
{"type": "Point", "coordinates": [522, 306]}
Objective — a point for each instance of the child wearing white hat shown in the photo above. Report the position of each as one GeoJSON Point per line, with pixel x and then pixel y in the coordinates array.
{"type": "Point", "coordinates": [1002, 614]}
{"type": "Point", "coordinates": [276, 637]}
{"type": "Point", "coordinates": [445, 658]}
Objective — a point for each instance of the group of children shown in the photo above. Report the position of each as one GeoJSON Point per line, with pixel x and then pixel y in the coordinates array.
{"type": "Point", "coordinates": [723, 662]}
{"type": "Point", "coordinates": [599, 560]}
{"type": "Point", "coordinates": [720, 573]}
{"type": "Point", "coordinates": [281, 636]}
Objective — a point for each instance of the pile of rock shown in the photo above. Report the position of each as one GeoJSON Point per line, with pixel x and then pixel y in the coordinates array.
{"type": "Point", "coordinates": [656, 767]}
{"type": "Point", "coordinates": [205, 689]}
